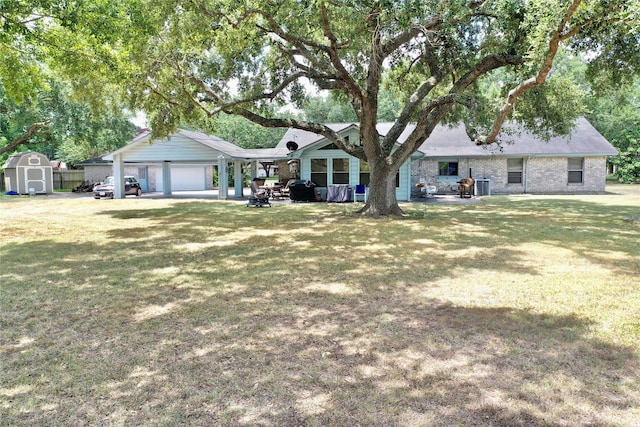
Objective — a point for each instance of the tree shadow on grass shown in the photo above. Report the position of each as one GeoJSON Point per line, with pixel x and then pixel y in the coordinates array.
{"type": "Point", "coordinates": [223, 316]}
{"type": "Point", "coordinates": [307, 360]}
{"type": "Point", "coordinates": [291, 354]}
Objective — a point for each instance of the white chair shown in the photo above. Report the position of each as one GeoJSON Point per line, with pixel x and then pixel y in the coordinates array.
{"type": "Point", "coordinates": [361, 190]}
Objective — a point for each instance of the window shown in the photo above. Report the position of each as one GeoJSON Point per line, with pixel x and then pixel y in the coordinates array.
{"type": "Point", "coordinates": [364, 173]}
{"type": "Point", "coordinates": [340, 171]}
{"type": "Point", "coordinates": [514, 171]}
{"type": "Point", "coordinates": [333, 146]}
{"type": "Point", "coordinates": [319, 172]}
{"type": "Point", "coordinates": [448, 168]}
{"type": "Point", "coordinates": [576, 166]}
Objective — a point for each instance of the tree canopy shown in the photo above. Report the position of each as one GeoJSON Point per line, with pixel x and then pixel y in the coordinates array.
{"type": "Point", "coordinates": [616, 114]}
{"type": "Point", "coordinates": [60, 127]}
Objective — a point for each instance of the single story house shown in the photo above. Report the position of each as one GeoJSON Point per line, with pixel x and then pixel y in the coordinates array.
{"type": "Point", "coordinates": [575, 163]}
{"type": "Point", "coordinates": [521, 163]}
{"type": "Point", "coordinates": [524, 163]}
{"type": "Point", "coordinates": [322, 162]}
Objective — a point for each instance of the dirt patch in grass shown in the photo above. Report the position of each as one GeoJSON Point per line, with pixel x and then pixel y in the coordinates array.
{"type": "Point", "coordinates": [517, 311]}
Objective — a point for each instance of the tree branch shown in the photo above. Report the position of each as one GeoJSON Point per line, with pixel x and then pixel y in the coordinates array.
{"type": "Point", "coordinates": [556, 38]}
{"type": "Point", "coordinates": [317, 128]}
{"type": "Point", "coordinates": [352, 87]}
{"type": "Point", "coordinates": [33, 131]}
{"type": "Point", "coordinates": [225, 105]}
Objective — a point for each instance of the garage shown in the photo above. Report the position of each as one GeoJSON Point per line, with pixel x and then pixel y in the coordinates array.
{"type": "Point", "coordinates": [185, 161]}
{"type": "Point", "coordinates": [188, 178]}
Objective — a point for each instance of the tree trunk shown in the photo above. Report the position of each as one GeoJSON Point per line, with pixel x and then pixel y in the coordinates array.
{"type": "Point", "coordinates": [381, 200]}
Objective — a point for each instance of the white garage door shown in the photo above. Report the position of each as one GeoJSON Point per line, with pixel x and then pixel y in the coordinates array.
{"type": "Point", "coordinates": [187, 178]}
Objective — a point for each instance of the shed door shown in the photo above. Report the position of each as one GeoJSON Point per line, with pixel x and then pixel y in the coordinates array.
{"type": "Point", "coordinates": [35, 178]}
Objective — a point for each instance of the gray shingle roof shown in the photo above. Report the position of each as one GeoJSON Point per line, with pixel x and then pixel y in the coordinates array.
{"type": "Point", "coordinates": [13, 160]}
{"type": "Point", "coordinates": [447, 141]}
{"type": "Point", "coordinates": [584, 140]}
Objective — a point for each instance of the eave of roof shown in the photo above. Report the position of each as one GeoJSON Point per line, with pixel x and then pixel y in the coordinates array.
{"type": "Point", "coordinates": [233, 152]}
{"type": "Point", "coordinates": [452, 141]}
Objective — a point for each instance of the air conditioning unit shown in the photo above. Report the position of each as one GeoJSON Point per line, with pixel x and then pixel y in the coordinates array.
{"type": "Point", "coordinates": [483, 187]}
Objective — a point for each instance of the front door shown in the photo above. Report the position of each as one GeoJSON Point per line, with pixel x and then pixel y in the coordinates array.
{"type": "Point", "coordinates": [143, 173]}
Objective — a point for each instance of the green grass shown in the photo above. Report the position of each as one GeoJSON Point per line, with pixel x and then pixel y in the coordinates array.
{"type": "Point", "coordinates": [521, 310]}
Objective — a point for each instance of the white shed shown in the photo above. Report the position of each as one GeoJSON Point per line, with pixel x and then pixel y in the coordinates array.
{"type": "Point", "coordinates": [28, 172]}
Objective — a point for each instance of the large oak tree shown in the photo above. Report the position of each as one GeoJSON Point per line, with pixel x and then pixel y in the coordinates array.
{"type": "Point", "coordinates": [249, 57]}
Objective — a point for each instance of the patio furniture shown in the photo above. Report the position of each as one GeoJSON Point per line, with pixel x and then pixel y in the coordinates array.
{"type": "Point", "coordinates": [302, 191]}
{"type": "Point", "coordinates": [465, 187]}
{"type": "Point", "coordinates": [276, 191]}
{"type": "Point", "coordinates": [286, 191]}
{"type": "Point", "coordinates": [339, 193]}
{"type": "Point", "coordinates": [259, 197]}
{"type": "Point", "coordinates": [361, 190]}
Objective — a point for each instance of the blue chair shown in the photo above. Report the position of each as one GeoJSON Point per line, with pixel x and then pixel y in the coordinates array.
{"type": "Point", "coordinates": [361, 190]}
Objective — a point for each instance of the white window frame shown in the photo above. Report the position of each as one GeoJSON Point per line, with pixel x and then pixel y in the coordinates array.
{"type": "Point", "coordinates": [515, 169]}
{"type": "Point", "coordinates": [573, 168]}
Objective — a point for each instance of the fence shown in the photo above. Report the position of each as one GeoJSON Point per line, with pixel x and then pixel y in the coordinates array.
{"type": "Point", "coordinates": [62, 180]}
{"type": "Point", "coordinates": [67, 179]}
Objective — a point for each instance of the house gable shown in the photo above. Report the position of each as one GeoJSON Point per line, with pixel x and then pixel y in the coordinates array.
{"type": "Point", "coordinates": [325, 164]}
{"type": "Point", "coordinates": [179, 147]}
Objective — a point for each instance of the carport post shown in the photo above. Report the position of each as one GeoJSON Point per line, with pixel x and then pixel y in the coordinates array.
{"type": "Point", "coordinates": [118, 176]}
{"type": "Point", "coordinates": [254, 169]}
{"type": "Point", "coordinates": [237, 177]}
{"type": "Point", "coordinates": [166, 178]}
{"type": "Point", "coordinates": [223, 178]}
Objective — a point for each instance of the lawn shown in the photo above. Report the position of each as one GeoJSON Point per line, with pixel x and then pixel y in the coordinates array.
{"type": "Point", "coordinates": [520, 310]}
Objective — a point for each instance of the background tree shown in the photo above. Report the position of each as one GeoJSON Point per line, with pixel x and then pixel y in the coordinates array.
{"type": "Point", "coordinates": [616, 114]}
{"type": "Point", "coordinates": [628, 162]}
{"type": "Point", "coordinates": [67, 130]}
{"type": "Point", "coordinates": [241, 132]}
{"type": "Point", "coordinates": [336, 109]}
{"type": "Point", "coordinates": [53, 69]}
{"type": "Point", "coordinates": [206, 58]}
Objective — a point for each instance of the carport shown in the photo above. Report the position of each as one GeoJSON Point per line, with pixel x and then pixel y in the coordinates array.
{"type": "Point", "coordinates": [185, 149]}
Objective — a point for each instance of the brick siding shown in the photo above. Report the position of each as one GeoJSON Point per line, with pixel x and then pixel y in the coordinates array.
{"type": "Point", "coordinates": [542, 175]}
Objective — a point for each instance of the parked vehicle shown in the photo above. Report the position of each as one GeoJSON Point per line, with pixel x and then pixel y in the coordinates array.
{"type": "Point", "coordinates": [106, 188]}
